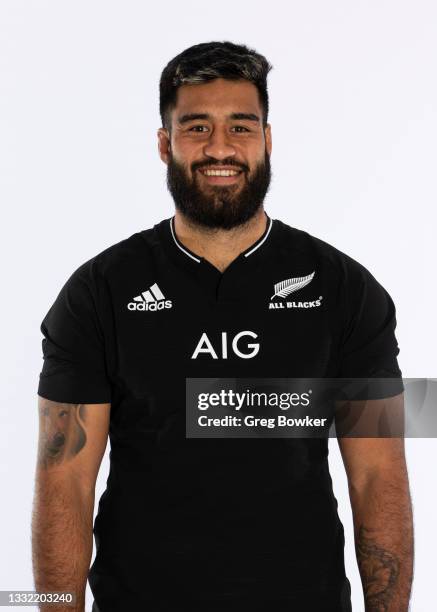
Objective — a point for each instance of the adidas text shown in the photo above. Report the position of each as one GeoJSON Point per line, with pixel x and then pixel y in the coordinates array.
{"type": "Point", "coordinates": [150, 305]}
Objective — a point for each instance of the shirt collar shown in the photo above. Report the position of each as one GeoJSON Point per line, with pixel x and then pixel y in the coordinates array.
{"type": "Point", "coordinates": [196, 258]}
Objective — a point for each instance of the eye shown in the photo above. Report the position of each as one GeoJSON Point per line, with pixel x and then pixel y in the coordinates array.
{"type": "Point", "coordinates": [241, 127]}
{"type": "Point", "coordinates": [197, 127]}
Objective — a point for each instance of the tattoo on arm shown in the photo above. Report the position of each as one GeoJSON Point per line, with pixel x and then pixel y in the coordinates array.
{"type": "Point", "coordinates": [62, 432]}
{"type": "Point", "coordinates": [379, 571]}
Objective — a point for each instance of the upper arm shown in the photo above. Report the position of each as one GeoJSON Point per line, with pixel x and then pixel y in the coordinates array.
{"type": "Point", "coordinates": [370, 427]}
{"type": "Point", "coordinates": [370, 438]}
{"type": "Point", "coordinates": [75, 342]}
{"type": "Point", "coordinates": [72, 439]}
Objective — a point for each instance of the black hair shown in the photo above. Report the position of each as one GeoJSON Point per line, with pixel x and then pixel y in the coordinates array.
{"type": "Point", "coordinates": [207, 61]}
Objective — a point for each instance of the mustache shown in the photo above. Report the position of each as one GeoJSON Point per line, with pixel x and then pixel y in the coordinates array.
{"type": "Point", "coordinates": [211, 162]}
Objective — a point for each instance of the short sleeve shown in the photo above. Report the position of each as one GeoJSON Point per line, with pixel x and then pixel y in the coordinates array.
{"type": "Point", "coordinates": [369, 347]}
{"type": "Point", "coordinates": [74, 368]}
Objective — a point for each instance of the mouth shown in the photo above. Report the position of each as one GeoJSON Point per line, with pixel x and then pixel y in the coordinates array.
{"type": "Point", "coordinates": [220, 176]}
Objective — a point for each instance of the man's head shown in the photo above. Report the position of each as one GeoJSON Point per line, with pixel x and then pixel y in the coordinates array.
{"type": "Point", "coordinates": [215, 138]}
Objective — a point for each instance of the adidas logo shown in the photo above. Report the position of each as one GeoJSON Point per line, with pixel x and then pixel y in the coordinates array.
{"type": "Point", "coordinates": [151, 299]}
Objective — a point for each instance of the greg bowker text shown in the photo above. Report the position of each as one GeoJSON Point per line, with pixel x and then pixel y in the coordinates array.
{"type": "Point", "coordinates": [251, 421]}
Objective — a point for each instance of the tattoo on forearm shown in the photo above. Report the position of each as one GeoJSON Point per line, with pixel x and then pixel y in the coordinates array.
{"type": "Point", "coordinates": [62, 432]}
{"type": "Point", "coordinates": [379, 571]}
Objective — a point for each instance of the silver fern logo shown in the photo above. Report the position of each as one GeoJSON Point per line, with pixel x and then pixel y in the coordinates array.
{"type": "Point", "coordinates": [291, 285]}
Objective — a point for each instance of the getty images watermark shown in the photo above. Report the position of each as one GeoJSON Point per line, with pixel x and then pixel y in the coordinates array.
{"type": "Point", "coordinates": [35, 598]}
{"type": "Point", "coordinates": [311, 407]}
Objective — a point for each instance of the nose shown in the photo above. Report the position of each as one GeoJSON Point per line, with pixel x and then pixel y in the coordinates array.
{"type": "Point", "coordinates": [219, 145]}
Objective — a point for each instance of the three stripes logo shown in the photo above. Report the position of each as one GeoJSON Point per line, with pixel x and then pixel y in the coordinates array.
{"type": "Point", "coordinates": [290, 285]}
{"type": "Point", "coordinates": [152, 299]}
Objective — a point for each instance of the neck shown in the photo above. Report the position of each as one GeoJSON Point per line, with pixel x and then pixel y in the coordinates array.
{"type": "Point", "coordinates": [220, 247]}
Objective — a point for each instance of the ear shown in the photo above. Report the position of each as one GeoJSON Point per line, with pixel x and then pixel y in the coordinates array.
{"type": "Point", "coordinates": [164, 142]}
{"type": "Point", "coordinates": [268, 138]}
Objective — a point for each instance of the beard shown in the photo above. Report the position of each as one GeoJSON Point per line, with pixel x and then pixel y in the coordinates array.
{"type": "Point", "coordinates": [217, 206]}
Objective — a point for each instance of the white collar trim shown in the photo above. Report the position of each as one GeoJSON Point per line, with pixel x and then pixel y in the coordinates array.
{"type": "Point", "coordinates": [177, 243]}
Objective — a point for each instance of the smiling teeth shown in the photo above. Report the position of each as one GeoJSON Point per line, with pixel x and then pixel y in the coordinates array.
{"type": "Point", "coordinates": [220, 172]}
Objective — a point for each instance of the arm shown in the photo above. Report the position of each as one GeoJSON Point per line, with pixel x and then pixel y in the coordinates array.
{"type": "Point", "coordinates": [72, 441]}
{"type": "Point", "coordinates": [382, 512]}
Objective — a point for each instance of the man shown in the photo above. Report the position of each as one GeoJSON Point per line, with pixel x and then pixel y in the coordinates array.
{"type": "Point", "coordinates": [214, 524]}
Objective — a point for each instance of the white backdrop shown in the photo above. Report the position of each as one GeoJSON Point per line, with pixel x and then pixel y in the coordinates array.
{"type": "Point", "coordinates": [353, 110]}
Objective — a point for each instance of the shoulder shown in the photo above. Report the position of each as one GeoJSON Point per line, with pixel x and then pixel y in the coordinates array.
{"type": "Point", "coordinates": [119, 259]}
{"type": "Point", "coordinates": [329, 258]}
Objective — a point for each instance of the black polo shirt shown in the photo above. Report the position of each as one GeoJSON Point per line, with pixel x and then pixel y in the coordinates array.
{"type": "Point", "coordinates": [213, 524]}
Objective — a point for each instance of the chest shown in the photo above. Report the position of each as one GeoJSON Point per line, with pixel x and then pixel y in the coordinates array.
{"type": "Point", "coordinates": [172, 330]}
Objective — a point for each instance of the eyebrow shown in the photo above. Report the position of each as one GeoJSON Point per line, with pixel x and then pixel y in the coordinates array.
{"type": "Point", "coordinates": [235, 116]}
